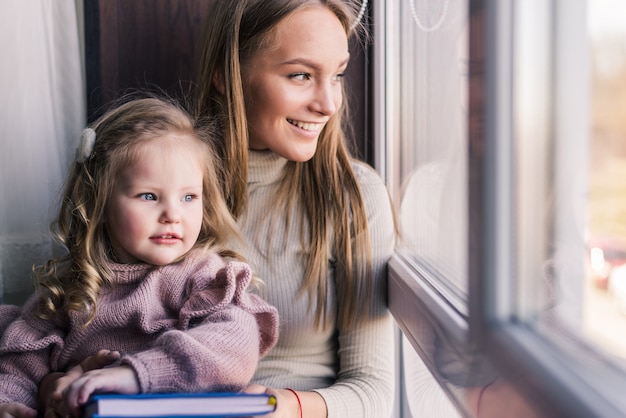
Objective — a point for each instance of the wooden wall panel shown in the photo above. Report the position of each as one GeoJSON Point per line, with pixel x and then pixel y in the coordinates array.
{"type": "Point", "coordinates": [141, 44]}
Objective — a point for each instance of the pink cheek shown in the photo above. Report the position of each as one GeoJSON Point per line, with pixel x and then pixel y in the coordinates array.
{"type": "Point", "coordinates": [339, 100]}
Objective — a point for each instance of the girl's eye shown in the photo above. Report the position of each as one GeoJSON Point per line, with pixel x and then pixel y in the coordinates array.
{"type": "Point", "coordinates": [189, 197]}
{"type": "Point", "coordinates": [147, 196]}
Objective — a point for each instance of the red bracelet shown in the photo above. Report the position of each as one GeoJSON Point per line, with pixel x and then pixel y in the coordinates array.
{"type": "Point", "coordinates": [298, 398]}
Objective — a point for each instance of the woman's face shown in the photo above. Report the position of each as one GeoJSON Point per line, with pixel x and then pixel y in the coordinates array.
{"type": "Point", "coordinates": [294, 86]}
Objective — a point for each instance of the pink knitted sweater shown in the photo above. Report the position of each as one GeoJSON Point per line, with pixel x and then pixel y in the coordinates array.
{"type": "Point", "coordinates": [190, 326]}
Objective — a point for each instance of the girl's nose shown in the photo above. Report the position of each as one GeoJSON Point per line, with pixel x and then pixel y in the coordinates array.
{"type": "Point", "coordinates": [170, 215]}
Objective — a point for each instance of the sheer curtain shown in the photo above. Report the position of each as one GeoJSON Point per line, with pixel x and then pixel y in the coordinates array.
{"type": "Point", "coordinates": [42, 111]}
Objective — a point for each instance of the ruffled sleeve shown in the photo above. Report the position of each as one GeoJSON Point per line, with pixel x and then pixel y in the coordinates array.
{"type": "Point", "coordinates": [223, 331]}
{"type": "Point", "coordinates": [230, 287]}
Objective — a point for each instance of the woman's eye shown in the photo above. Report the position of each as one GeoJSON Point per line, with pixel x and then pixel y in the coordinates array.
{"type": "Point", "coordinates": [300, 76]}
{"type": "Point", "coordinates": [147, 196]}
{"type": "Point", "coordinates": [339, 77]}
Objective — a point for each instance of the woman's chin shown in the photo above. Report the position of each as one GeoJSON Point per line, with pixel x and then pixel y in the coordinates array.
{"type": "Point", "coordinates": [299, 154]}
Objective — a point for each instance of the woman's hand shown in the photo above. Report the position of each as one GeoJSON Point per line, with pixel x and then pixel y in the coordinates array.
{"type": "Point", "coordinates": [52, 386]}
{"type": "Point", "coordinates": [490, 400]}
{"type": "Point", "coordinates": [292, 405]}
{"type": "Point", "coordinates": [286, 403]}
{"type": "Point", "coordinates": [16, 410]}
{"type": "Point", "coordinates": [120, 379]}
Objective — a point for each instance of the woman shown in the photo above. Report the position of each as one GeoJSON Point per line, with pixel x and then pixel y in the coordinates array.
{"type": "Point", "coordinates": [318, 224]}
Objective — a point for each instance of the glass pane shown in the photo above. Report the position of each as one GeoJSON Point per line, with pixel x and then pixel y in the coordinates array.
{"type": "Point", "coordinates": [605, 288]}
{"type": "Point", "coordinates": [570, 165]}
{"type": "Point", "coordinates": [432, 156]}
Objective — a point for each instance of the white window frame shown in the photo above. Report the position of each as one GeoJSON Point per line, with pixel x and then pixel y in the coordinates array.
{"type": "Point", "coordinates": [559, 382]}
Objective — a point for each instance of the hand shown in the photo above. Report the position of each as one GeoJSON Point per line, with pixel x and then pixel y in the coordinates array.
{"type": "Point", "coordinates": [286, 403]}
{"type": "Point", "coordinates": [52, 386]}
{"type": "Point", "coordinates": [16, 410]}
{"type": "Point", "coordinates": [120, 379]}
{"type": "Point", "coordinates": [497, 397]}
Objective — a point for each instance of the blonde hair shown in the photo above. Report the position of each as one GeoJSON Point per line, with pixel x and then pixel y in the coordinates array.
{"type": "Point", "coordinates": [325, 187]}
{"type": "Point", "coordinates": [73, 281]}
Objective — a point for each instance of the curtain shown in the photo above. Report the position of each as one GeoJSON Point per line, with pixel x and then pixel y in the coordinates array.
{"type": "Point", "coordinates": [42, 112]}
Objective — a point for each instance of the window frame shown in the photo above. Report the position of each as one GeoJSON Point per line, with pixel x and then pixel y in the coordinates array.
{"type": "Point", "coordinates": [556, 381]}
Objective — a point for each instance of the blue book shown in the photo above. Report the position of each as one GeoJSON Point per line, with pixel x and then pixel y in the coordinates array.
{"type": "Point", "coordinates": [179, 405]}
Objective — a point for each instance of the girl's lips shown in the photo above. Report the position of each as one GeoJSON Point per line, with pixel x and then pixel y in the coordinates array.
{"type": "Point", "coordinates": [165, 239]}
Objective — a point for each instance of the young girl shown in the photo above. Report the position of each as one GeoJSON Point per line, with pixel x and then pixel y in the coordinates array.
{"type": "Point", "coordinates": [145, 227]}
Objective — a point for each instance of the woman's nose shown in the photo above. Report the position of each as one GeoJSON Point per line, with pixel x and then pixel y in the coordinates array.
{"type": "Point", "coordinates": [327, 98]}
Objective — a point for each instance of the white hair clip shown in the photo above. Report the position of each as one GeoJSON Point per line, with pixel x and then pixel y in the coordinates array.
{"type": "Point", "coordinates": [360, 15]}
{"type": "Point", "coordinates": [85, 146]}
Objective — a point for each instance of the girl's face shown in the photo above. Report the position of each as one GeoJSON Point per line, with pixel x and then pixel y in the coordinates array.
{"type": "Point", "coordinates": [155, 211]}
{"type": "Point", "coordinates": [294, 86]}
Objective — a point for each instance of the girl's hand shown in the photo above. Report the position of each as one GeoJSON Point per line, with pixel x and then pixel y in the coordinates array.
{"type": "Point", "coordinates": [121, 379]}
{"type": "Point", "coordinates": [52, 386]}
{"type": "Point", "coordinates": [286, 403]}
{"type": "Point", "coordinates": [16, 410]}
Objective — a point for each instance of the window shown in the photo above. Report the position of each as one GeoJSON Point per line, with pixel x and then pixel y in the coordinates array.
{"type": "Point", "coordinates": [505, 147]}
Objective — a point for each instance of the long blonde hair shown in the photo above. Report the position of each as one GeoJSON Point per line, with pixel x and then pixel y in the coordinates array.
{"type": "Point", "coordinates": [73, 281]}
{"type": "Point", "coordinates": [325, 187]}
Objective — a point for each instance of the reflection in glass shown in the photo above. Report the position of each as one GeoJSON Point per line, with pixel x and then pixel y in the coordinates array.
{"type": "Point", "coordinates": [431, 163]}
{"type": "Point", "coordinates": [433, 137]}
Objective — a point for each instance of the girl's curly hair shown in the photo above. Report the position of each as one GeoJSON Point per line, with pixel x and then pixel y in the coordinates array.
{"type": "Point", "coordinates": [73, 281]}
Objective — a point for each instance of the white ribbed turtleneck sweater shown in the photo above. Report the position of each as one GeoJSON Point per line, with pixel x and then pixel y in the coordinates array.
{"type": "Point", "coordinates": [353, 372]}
